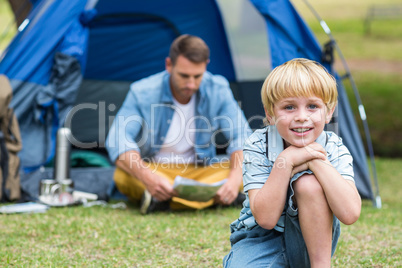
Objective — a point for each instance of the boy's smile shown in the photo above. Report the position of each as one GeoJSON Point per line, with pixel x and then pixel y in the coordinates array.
{"type": "Point", "coordinates": [300, 120]}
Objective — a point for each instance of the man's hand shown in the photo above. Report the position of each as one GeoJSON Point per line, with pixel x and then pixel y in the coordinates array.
{"type": "Point", "coordinates": [157, 186]}
{"type": "Point", "coordinates": [160, 188]}
{"type": "Point", "coordinates": [228, 192]}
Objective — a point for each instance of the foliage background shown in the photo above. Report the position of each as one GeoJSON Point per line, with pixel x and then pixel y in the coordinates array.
{"type": "Point", "coordinates": [375, 60]}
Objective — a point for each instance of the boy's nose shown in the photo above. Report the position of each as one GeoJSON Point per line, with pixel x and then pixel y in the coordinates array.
{"type": "Point", "coordinates": [302, 116]}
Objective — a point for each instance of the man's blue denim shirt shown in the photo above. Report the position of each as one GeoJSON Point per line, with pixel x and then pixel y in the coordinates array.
{"type": "Point", "coordinates": [143, 120]}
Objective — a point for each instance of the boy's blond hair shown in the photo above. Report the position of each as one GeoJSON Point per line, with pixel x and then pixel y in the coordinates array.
{"type": "Point", "coordinates": [298, 78]}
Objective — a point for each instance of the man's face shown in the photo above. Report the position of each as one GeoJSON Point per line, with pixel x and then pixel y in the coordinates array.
{"type": "Point", "coordinates": [185, 77]}
{"type": "Point", "coordinates": [300, 120]}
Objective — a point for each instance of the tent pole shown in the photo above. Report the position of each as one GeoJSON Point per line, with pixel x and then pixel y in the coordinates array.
{"type": "Point", "coordinates": [377, 199]}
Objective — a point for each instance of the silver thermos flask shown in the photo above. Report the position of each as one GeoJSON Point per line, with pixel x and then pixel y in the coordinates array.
{"type": "Point", "coordinates": [62, 158]}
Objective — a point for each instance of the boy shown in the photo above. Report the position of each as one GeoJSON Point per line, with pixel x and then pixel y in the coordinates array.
{"type": "Point", "coordinates": [297, 177]}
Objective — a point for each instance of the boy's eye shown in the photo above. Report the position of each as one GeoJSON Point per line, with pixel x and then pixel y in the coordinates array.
{"type": "Point", "coordinates": [289, 107]}
{"type": "Point", "coordinates": [312, 106]}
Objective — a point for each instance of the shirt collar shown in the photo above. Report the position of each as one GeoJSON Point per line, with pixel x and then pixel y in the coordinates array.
{"type": "Point", "coordinates": [167, 96]}
{"type": "Point", "coordinates": [275, 142]}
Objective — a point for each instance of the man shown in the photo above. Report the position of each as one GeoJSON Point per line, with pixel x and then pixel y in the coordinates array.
{"type": "Point", "coordinates": [167, 126]}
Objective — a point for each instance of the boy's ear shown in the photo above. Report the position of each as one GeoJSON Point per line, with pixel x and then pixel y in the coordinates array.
{"type": "Point", "coordinates": [329, 115]}
{"type": "Point", "coordinates": [271, 119]}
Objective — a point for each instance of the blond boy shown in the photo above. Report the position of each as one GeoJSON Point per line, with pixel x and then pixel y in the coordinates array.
{"type": "Point", "coordinates": [298, 178]}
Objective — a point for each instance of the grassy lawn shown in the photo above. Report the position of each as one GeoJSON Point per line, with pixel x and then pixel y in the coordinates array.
{"type": "Point", "coordinates": [105, 237]}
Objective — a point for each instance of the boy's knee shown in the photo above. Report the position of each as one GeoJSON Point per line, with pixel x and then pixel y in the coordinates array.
{"type": "Point", "coordinates": [308, 186]}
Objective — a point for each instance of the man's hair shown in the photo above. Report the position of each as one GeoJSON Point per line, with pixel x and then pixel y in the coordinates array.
{"type": "Point", "coordinates": [191, 47]}
{"type": "Point", "coordinates": [299, 78]}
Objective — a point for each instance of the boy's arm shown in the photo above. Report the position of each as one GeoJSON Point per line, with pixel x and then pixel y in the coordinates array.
{"type": "Point", "coordinates": [342, 195]}
{"type": "Point", "coordinates": [268, 202]}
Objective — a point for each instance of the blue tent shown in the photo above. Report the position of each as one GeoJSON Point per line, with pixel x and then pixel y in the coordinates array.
{"type": "Point", "coordinates": [73, 62]}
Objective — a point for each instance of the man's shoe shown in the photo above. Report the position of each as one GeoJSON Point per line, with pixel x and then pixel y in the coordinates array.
{"type": "Point", "coordinates": [149, 204]}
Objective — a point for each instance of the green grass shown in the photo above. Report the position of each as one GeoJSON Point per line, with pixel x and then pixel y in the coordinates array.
{"type": "Point", "coordinates": [340, 9]}
{"type": "Point", "coordinates": [102, 237]}
{"type": "Point", "coordinates": [381, 98]}
{"type": "Point", "coordinates": [383, 43]}
{"type": "Point", "coordinates": [105, 237]}
{"type": "Point", "coordinates": [375, 239]}
{"type": "Point", "coordinates": [346, 19]}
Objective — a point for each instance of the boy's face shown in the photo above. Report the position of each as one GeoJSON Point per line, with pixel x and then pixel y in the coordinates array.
{"type": "Point", "coordinates": [300, 120]}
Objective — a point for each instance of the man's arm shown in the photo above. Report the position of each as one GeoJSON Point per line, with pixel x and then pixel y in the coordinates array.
{"type": "Point", "coordinates": [229, 191]}
{"type": "Point", "coordinates": [132, 163]}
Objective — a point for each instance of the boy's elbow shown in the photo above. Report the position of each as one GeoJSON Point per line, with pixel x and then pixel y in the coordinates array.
{"type": "Point", "coordinates": [268, 226]}
{"type": "Point", "coordinates": [266, 216]}
{"type": "Point", "coordinates": [267, 223]}
{"type": "Point", "coordinates": [351, 216]}
{"type": "Point", "coordinates": [350, 219]}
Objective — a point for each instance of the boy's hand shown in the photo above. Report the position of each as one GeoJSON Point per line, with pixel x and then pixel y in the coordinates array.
{"type": "Point", "coordinates": [299, 157]}
{"type": "Point", "coordinates": [300, 168]}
